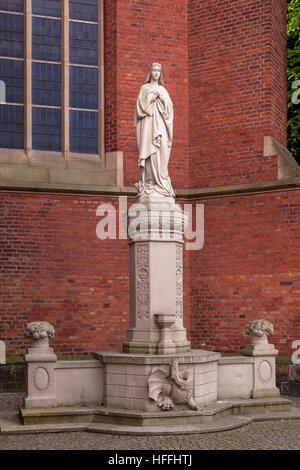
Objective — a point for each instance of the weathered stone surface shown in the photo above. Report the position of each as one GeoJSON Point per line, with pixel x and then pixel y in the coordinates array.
{"type": "Point", "coordinates": [2, 352]}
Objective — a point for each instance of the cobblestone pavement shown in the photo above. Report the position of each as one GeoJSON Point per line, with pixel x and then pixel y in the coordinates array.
{"type": "Point", "coordinates": [267, 435]}
{"type": "Point", "coordinates": [274, 435]}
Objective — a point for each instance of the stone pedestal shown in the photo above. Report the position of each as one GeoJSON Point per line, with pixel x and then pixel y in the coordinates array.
{"type": "Point", "coordinates": [157, 371]}
{"type": "Point", "coordinates": [144, 381]}
{"type": "Point", "coordinates": [264, 353]}
{"type": "Point", "coordinates": [156, 268]}
{"type": "Point", "coordinates": [41, 391]}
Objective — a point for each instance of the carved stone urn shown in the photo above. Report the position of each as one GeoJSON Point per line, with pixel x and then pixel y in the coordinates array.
{"type": "Point", "coordinates": [259, 330]}
{"type": "Point", "coordinates": [39, 333]}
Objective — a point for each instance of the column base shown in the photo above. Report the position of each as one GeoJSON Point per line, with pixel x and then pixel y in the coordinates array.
{"type": "Point", "coordinates": [140, 347]}
{"type": "Point", "coordinates": [265, 393]}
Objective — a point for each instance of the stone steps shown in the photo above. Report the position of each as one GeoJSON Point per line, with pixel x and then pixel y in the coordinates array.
{"type": "Point", "coordinates": [218, 416]}
{"type": "Point", "coordinates": [9, 426]}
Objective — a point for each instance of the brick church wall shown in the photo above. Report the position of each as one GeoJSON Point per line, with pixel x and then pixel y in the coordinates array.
{"type": "Point", "coordinates": [54, 268]}
{"type": "Point", "coordinates": [146, 32]}
{"type": "Point", "coordinates": [237, 68]}
{"type": "Point", "coordinates": [249, 268]}
{"type": "Point", "coordinates": [224, 68]}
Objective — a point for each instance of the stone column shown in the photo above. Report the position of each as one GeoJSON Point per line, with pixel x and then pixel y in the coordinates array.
{"type": "Point", "coordinates": [264, 353]}
{"type": "Point", "coordinates": [41, 390]}
{"type": "Point", "coordinates": [156, 238]}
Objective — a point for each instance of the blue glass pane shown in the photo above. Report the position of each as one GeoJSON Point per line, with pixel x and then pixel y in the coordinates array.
{"type": "Point", "coordinates": [83, 87]}
{"type": "Point", "coordinates": [46, 84]}
{"type": "Point", "coordinates": [46, 39]}
{"type": "Point", "coordinates": [83, 132]}
{"type": "Point", "coordinates": [12, 73]}
{"type": "Point", "coordinates": [11, 127]}
{"type": "Point", "coordinates": [12, 5]}
{"type": "Point", "coordinates": [11, 35]}
{"type": "Point", "coordinates": [83, 43]}
{"type": "Point", "coordinates": [46, 129]}
{"type": "Point", "coordinates": [84, 10]}
{"type": "Point", "coordinates": [46, 7]}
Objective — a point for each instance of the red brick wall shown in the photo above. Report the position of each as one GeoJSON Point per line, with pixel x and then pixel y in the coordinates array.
{"type": "Point", "coordinates": [110, 74]}
{"type": "Point", "coordinates": [224, 69]}
{"type": "Point", "coordinates": [237, 88]}
{"type": "Point", "coordinates": [54, 268]}
{"type": "Point", "coordinates": [249, 268]}
{"type": "Point", "coordinates": [151, 31]}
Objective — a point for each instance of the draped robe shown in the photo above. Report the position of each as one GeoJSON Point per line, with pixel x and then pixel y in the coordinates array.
{"type": "Point", "coordinates": [153, 120]}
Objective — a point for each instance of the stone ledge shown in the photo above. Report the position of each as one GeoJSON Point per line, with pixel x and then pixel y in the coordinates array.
{"type": "Point", "coordinates": [56, 415]}
{"type": "Point", "coordinates": [184, 195]}
{"type": "Point", "coordinates": [236, 360]}
{"type": "Point", "coordinates": [54, 168]}
{"type": "Point", "coordinates": [193, 356]}
{"type": "Point", "coordinates": [81, 364]}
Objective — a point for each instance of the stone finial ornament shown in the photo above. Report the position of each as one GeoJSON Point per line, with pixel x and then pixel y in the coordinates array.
{"type": "Point", "coordinates": [259, 331]}
{"type": "Point", "coordinates": [39, 332]}
{"type": "Point", "coordinates": [169, 386]}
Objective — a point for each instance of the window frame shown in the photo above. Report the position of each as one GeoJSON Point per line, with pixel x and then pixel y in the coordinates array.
{"type": "Point", "coordinates": [65, 82]}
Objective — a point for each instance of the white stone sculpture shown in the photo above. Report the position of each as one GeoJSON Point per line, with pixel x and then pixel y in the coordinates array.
{"type": "Point", "coordinates": [153, 119]}
{"type": "Point", "coordinates": [2, 353]}
{"type": "Point", "coordinates": [169, 386]}
{"type": "Point", "coordinates": [39, 332]}
{"type": "Point", "coordinates": [264, 376]}
{"type": "Point", "coordinates": [41, 388]}
{"type": "Point", "coordinates": [259, 331]}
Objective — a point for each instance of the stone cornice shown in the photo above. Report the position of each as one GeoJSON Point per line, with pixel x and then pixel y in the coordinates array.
{"type": "Point", "coordinates": [181, 194]}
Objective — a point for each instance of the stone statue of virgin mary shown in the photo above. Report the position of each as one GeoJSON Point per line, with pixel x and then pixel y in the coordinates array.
{"type": "Point", "coordinates": [153, 119]}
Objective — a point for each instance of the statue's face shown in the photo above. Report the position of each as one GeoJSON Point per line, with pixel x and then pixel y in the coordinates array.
{"type": "Point", "coordinates": [155, 72]}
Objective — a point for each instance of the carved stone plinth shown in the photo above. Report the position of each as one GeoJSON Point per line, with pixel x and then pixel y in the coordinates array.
{"type": "Point", "coordinates": [264, 353]}
{"type": "Point", "coordinates": [156, 269]}
{"type": "Point", "coordinates": [41, 390]}
{"type": "Point", "coordinates": [153, 382]}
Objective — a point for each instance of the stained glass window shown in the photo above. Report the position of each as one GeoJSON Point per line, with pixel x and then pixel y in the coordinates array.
{"type": "Point", "coordinates": [83, 132]}
{"type": "Point", "coordinates": [46, 84]}
{"type": "Point", "coordinates": [46, 129]}
{"type": "Point", "coordinates": [44, 65]}
{"type": "Point", "coordinates": [83, 87]}
{"type": "Point", "coordinates": [47, 8]}
{"type": "Point", "coordinates": [11, 35]}
{"type": "Point", "coordinates": [84, 10]}
{"type": "Point", "coordinates": [11, 127]}
{"type": "Point", "coordinates": [46, 39]}
{"type": "Point", "coordinates": [83, 43]}
{"type": "Point", "coordinates": [12, 5]}
{"type": "Point", "coordinates": [12, 73]}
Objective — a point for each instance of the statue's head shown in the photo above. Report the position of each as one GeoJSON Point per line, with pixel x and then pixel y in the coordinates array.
{"type": "Point", "coordinates": [153, 69]}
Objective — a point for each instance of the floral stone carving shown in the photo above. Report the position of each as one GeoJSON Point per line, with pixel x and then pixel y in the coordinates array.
{"type": "Point", "coordinates": [39, 332]}
{"type": "Point", "coordinates": [259, 331]}
{"type": "Point", "coordinates": [168, 385]}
